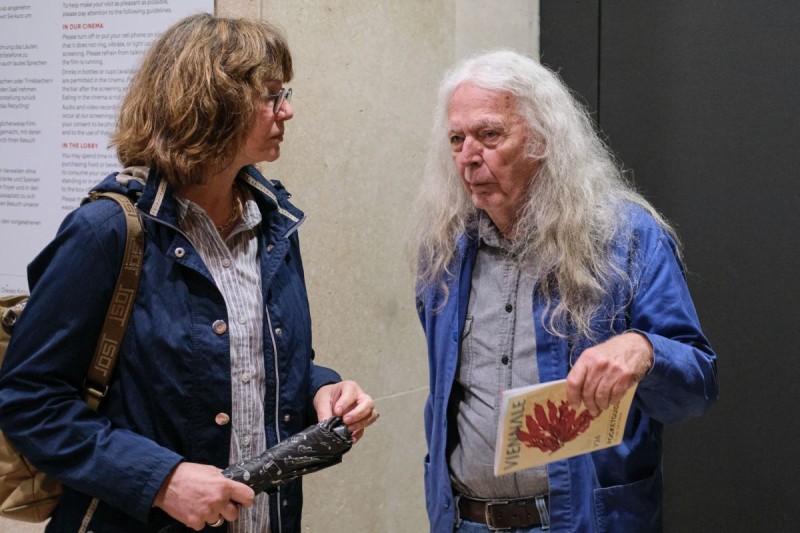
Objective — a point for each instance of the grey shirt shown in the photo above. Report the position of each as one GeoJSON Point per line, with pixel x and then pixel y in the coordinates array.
{"type": "Point", "coordinates": [234, 265]}
{"type": "Point", "coordinates": [498, 352]}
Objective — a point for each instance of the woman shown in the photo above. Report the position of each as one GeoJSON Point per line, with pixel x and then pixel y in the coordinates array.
{"type": "Point", "coordinates": [216, 364]}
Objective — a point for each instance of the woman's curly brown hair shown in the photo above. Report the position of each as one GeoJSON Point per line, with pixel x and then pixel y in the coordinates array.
{"type": "Point", "coordinates": [196, 94]}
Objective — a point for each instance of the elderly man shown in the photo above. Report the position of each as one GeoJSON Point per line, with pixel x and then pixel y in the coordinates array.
{"type": "Point", "coordinates": [537, 262]}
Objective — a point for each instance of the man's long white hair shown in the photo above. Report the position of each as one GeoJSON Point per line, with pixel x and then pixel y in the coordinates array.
{"type": "Point", "coordinates": [576, 204]}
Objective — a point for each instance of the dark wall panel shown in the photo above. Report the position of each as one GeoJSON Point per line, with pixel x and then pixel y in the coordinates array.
{"type": "Point", "coordinates": [701, 101]}
{"type": "Point", "coordinates": [570, 44]}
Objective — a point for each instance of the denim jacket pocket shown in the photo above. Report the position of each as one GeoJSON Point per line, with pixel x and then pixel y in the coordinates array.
{"type": "Point", "coordinates": [631, 507]}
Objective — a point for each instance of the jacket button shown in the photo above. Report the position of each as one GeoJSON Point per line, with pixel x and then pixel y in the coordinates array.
{"type": "Point", "coordinates": [270, 247]}
{"type": "Point", "coordinates": [179, 252]}
{"type": "Point", "coordinates": [278, 332]}
{"type": "Point", "coordinates": [285, 502]}
{"type": "Point", "coordinates": [219, 327]}
{"type": "Point", "coordinates": [287, 418]}
{"type": "Point", "coordinates": [222, 419]}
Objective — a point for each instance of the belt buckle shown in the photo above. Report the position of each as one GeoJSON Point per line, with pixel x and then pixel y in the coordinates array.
{"type": "Point", "coordinates": [488, 518]}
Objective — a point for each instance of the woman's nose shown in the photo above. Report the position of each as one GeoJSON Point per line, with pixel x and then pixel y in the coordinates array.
{"type": "Point", "coordinates": [286, 112]}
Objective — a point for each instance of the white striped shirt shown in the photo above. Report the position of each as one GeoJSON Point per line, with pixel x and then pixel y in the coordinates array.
{"type": "Point", "coordinates": [234, 265]}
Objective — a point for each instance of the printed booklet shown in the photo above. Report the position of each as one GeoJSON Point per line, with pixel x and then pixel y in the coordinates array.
{"type": "Point", "coordinates": [537, 426]}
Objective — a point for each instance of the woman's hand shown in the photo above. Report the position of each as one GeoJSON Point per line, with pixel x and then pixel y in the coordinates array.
{"type": "Point", "coordinates": [198, 495]}
{"type": "Point", "coordinates": [346, 399]}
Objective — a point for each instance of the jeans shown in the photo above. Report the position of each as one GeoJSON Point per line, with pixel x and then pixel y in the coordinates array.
{"type": "Point", "coordinates": [473, 527]}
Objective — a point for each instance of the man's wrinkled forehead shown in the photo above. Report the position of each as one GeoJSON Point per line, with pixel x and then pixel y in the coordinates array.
{"type": "Point", "coordinates": [499, 101]}
{"type": "Point", "coordinates": [493, 110]}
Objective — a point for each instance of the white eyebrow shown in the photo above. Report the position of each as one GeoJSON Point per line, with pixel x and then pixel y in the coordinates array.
{"type": "Point", "coordinates": [490, 124]}
{"type": "Point", "coordinates": [496, 125]}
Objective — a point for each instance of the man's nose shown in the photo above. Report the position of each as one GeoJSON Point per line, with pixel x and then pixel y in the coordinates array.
{"type": "Point", "coordinates": [471, 153]}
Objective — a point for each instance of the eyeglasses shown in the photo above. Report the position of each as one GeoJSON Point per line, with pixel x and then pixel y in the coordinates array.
{"type": "Point", "coordinates": [279, 97]}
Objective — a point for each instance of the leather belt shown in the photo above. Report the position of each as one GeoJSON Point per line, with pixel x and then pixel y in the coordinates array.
{"type": "Point", "coordinates": [500, 514]}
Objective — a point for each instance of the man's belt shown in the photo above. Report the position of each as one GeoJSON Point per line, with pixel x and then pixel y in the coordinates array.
{"type": "Point", "coordinates": [500, 514]}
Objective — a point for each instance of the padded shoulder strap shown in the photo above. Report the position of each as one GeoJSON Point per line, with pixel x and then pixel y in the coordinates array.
{"type": "Point", "coordinates": [119, 310]}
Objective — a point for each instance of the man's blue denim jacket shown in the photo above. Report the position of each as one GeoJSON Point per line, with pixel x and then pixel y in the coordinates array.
{"type": "Point", "coordinates": [611, 490]}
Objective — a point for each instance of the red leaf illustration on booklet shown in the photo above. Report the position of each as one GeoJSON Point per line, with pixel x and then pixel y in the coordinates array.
{"type": "Point", "coordinates": [550, 430]}
{"type": "Point", "coordinates": [538, 426]}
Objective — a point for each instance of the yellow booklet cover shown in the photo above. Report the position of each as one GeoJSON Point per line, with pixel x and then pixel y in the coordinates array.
{"type": "Point", "coordinates": [537, 426]}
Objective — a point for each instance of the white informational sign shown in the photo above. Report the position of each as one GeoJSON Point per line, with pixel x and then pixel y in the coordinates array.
{"type": "Point", "coordinates": [64, 66]}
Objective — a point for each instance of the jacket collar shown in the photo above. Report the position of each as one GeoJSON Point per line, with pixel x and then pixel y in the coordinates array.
{"type": "Point", "coordinates": [157, 200]}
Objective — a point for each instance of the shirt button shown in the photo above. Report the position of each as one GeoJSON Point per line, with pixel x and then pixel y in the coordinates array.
{"type": "Point", "coordinates": [509, 308]}
{"type": "Point", "coordinates": [242, 319]}
{"type": "Point", "coordinates": [222, 418]}
{"type": "Point", "coordinates": [278, 331]}
{"type": "Point", "coordinates": [246, 440]}
{"type": "Point", "coordinates": [287, 418]}
{"type": "Point", "coordinates": [179, 252]}
{"type": "Point", "coordinates": [226, 263]}
{"type": "Point", "coordinates": [245, 377]}
{"type": "Point", "coordinates": [504, 360]}
{"type": "Point", "coordinates": [219, 327]}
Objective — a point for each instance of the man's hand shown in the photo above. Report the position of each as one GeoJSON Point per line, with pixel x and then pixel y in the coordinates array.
{"type": "Point", "coordinates": [346, 399]}
{"type": "Point", "coordinates": [198, 495]}
{"type": "Point", "coordinates": [603, 373]}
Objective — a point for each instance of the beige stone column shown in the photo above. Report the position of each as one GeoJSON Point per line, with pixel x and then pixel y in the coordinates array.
{"type": "Point", "coordinates": [365, 86]}
{"type": "Point", "coordinates": [485, 25]}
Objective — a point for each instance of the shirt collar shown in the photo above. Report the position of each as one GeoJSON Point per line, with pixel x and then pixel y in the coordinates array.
{"type": "Point", "coordinates": [489, 235]}
{"type": "Point", "coordinates": [251, 215]}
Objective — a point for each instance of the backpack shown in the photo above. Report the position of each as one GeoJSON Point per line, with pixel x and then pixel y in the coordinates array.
{"type": "Point", "coordinates": [26, 493]}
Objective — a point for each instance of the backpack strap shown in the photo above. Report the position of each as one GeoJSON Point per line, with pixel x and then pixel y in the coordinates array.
{"type": "Point", "coordinates": [95, 386]}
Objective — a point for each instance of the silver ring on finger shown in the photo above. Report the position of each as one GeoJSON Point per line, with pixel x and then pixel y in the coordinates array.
{"type": "Point", "coordinates": [218, 522]}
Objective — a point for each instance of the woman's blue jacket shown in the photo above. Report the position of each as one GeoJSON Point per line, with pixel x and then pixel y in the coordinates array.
{"type": "Point", "coordinates": [173, 376]}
